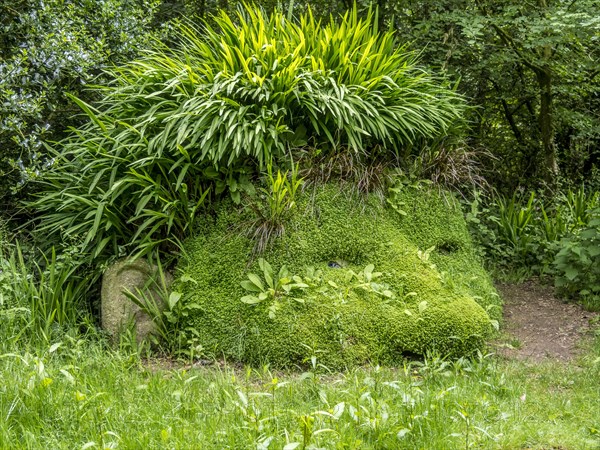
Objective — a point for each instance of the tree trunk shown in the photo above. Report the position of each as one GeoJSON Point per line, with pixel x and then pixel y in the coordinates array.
{"type": "Point", "coordinates": [543, 74]}
{"type": "Point", "coordinates": [549, 159]}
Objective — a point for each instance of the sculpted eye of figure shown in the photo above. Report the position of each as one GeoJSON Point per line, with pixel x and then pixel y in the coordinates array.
{"type": "Point", "coordinates": [357, 285]}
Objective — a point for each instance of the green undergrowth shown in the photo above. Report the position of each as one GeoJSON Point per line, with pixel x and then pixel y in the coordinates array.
{"type": "Point", "coordinates": [361, 283]}
{"type": "Point", "coordinates": [77, 394]}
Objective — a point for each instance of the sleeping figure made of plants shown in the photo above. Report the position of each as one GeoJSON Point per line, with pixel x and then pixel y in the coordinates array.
{"type": "Point", "coordinates": [350, 281]}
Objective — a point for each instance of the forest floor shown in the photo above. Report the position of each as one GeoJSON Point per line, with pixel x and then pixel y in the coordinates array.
{"type": "Point", "coordinates": [539, 326]}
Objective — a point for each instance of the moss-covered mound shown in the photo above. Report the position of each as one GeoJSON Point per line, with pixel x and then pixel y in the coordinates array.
{"type": "Point", "coordinates": [364, 284]}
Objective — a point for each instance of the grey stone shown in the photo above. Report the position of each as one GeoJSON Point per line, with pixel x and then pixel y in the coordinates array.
{"type": "Point", "coordinates": [118, 311]}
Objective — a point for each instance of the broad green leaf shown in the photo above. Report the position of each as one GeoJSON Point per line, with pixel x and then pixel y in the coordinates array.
{"type": "Point", "coordinates": [174, 299]}
{"type": "Point", "coordinates": [250, 300]}
{"type": "Point", "coordinates": [250, 286]}
{"type": "Point", "coordinates": [254, 279]}
{"type": "Point", "coordinates": [571, 273]}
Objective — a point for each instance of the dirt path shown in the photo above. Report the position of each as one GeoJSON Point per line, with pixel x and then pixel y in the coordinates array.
{"type": "Point", "coordinates": [538, 325]}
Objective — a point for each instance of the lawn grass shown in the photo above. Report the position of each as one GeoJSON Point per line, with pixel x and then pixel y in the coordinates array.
{"type": "Point", "coordinates": [77, 394]}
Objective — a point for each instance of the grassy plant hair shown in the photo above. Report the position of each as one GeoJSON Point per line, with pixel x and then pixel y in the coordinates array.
{"type": "Point", "coordinates": [179, 126]}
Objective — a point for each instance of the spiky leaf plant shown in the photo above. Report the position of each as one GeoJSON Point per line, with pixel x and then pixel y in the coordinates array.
{"type": "Point", "coordinates": [232, 98]}
{"type": "Point", "coordinates": [254, 85]}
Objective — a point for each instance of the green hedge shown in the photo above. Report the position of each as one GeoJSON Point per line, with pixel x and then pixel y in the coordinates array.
{"type": "Point", "coordinates": [438, 300]}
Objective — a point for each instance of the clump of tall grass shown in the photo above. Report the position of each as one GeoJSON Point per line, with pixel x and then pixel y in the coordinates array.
{"type": "Point", "coordinates": [451, 163]}
{"type": "Point", "coordinates": [38, 300]}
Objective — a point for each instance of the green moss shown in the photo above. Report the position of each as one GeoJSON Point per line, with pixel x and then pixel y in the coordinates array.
{"type": "Point", "coordinates": [438, 302]}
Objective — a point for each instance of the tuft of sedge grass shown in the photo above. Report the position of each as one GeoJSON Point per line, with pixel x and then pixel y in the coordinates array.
{"type": "Point", "coordinates": [358, 172]}
{"type": "Point", "coordinates": [453, 165]}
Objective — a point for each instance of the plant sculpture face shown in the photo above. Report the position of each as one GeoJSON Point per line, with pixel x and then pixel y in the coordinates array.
{"type": "Point", "coordinates": [351, 284]}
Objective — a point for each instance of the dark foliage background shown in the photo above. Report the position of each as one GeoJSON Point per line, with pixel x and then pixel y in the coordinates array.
{"type": "Point", "coordinates": [48, 49]}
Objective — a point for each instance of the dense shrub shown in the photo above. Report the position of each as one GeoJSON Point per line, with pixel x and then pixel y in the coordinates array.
{"type": "Point", "coordinates": [577, 262]}
{"type": "Point", "coordinates": [346, 284]}
{"type": "Point", "coordinates": [49, 48]}
{"type": "Point", "coordinates": [177, 124]}
{"type": "Point", "coordinates": [556, 238]}
{"type": "Point", "coordinates": [520, 232]}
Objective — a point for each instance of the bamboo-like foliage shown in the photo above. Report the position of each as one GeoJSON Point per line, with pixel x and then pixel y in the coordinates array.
{"type": "Point", "coordinates": [237, 94]}
{"type": "Point", "coordinates": [254, 86]}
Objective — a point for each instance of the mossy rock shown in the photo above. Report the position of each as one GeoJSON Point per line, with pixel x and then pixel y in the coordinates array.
{"type": "Point", "coordinates": [118, 311]}
{"type": "Point", "coordinates": [438, 300]}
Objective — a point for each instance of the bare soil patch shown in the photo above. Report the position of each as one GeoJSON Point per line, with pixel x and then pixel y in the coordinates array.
{"type": "Point", "coordinates": [538, 325]}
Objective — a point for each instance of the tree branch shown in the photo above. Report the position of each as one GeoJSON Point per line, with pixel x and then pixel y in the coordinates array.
{"type": "Point", "coordinates": [509, 41]}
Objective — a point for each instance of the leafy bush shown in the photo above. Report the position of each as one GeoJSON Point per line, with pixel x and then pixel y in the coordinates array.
{"type": "Point", "coordinates": [117, 199]}
{"type": "Point", "coordinates": [529, 234]}
{"type": "Point", "coordinates": [577, 263]}
{"type": "Point", "coordinates": [48, 48]}
{"type": "Point", "coordinates": [506, 230]}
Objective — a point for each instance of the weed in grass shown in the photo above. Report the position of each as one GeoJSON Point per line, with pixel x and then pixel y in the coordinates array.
{"type": "Point", "coordinates": [274, 287]}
